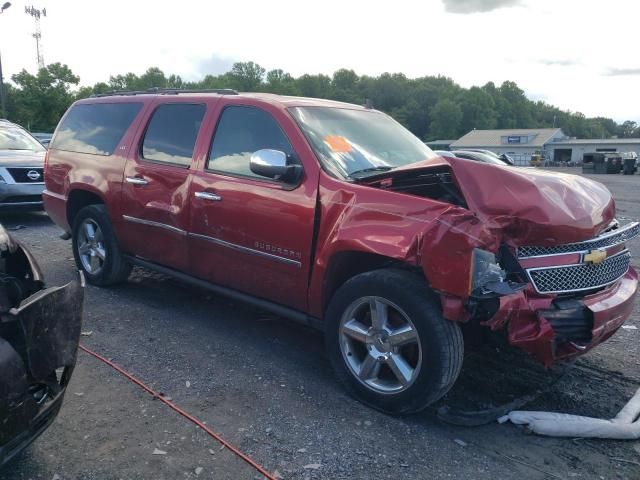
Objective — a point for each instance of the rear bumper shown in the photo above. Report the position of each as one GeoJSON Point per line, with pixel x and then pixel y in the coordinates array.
{"type": "Point", "coordinates": [551, 328]}
{"type": "Point", "coordinates": [56, 207]}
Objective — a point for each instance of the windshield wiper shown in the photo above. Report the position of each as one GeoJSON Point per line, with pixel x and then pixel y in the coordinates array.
{"type": "Point", "coordinates": [381, 168]}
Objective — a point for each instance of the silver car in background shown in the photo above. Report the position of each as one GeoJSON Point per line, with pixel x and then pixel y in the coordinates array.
{"type": "Point", "coordinates": [21, 168]}
{"type": "Point", "coordinates": [43, 138]}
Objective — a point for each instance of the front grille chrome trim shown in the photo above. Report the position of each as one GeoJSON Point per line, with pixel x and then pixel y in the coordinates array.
{"type": "Point", "coordinates": [606, 240]}
{"type": "Point", "coordinates": [536, 286]}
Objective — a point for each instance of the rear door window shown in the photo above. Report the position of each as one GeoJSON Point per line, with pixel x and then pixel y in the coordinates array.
{"type": "Point", "coordinates": [95, 128]}
{"type": "Point", "coordinates": [242, 131]}
{"type": "Point", "coordinates": [172, 132]}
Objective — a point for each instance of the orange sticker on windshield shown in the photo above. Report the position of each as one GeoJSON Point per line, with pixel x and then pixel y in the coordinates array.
{"type": "Point", "coordinates": [338, 143]}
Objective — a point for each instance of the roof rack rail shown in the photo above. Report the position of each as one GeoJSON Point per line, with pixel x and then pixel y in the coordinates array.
{"type": "Point", "coordinates": [166, 91]}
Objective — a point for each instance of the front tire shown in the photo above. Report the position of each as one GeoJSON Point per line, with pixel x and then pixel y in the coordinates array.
{"type": "Point", "coordinates": [96, 249]}
{"type": "Point", "coordinates": [389, 344]}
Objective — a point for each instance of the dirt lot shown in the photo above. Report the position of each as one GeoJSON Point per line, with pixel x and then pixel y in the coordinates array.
{"type": "Point", "coordinates": [266, 386]}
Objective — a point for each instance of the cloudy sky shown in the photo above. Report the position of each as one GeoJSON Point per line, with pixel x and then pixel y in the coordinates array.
{"type": "Point", "coordinates": [578, 55]}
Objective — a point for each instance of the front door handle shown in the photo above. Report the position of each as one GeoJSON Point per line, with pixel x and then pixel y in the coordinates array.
{"type": "Point", "coordinates": [136, 181]}
{"type": "Point", "coordinates": [212, 197]}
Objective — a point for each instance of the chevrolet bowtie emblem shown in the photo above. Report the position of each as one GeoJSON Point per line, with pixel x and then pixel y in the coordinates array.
{"type": "Point", "coordinates": [595, 256]}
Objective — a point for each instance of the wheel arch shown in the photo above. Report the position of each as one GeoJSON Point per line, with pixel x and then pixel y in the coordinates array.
{"type": "Point", "coordinates": [347, 264]}
{"type": "Point", "coordinates": [78, 199]}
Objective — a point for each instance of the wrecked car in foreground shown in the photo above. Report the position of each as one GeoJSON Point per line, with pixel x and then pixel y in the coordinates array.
{"type": "Point", "coordinates": [336, 216]}
{"type": "Point", "coordinates": [39, 333]}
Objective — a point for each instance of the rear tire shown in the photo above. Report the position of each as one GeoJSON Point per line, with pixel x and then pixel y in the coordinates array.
{"type": "Point", "coordinates": [96, 249]}
{"type": "Point", "coordinates": [389, 344]}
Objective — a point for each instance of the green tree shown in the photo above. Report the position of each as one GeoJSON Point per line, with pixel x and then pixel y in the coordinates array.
{"type": "Point", "coordinates": [478, 110]}
{"type": "Point", "coordinates": [152, 78]}
{"type": "Point", "coordinates": [345, 86]}
{"type": "Point", "coordinates": [431, 107]}
{"type": "Point", "coordinates": [318, 86]}
{"type": "Point", "coordinates": [446, 118]}
{"type": "Point", "coordinates": [389, 91]}
{"type": "Point", "coordinates": [128, 81]}
{"type": "Point", "coordinates": [628, 129]}
{"type": "Point", "coordinates": [38, 101]}
{"type": "Point", "coordinates": [246, 76]}
{"type": "Point", "coordinates": [278, 81]}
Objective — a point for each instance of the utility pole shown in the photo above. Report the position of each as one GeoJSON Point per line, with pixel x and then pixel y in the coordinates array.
{"type": "Point", "coordinates": [36, 14]}
{"type": "Point", "coordinates": [3, 107]}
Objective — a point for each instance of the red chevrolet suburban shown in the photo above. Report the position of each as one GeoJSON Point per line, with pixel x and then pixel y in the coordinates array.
{"type": "Point", "coordinates": [336, 216]}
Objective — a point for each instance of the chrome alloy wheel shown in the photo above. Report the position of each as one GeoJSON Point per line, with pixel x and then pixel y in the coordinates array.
{"type": "Point", "coordinates": [91, 246]}
{"type": "Point", "coordinates": [380, 345]}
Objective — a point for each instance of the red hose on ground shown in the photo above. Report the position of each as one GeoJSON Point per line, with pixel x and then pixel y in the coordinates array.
{"type": "Point", "coordinates": [186, 415]}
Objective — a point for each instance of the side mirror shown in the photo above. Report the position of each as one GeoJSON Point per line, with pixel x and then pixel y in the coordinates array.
{"type": "Point", "coordinates": [273, 164]}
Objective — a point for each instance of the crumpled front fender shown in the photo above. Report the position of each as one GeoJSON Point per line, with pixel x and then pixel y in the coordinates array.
{"type": "Point", "coordinates": [447, 249]}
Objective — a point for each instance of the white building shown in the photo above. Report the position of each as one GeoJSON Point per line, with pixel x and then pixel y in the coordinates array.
{"type": "Point", "coordinates": [573, 149]}
{"type": "Point", "coordinates": [552, 143]}
{"type": "Point", "coordinates": [520, 144]}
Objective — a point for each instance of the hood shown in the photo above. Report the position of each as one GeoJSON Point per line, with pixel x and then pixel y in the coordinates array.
{"type": "Point", "coordinates": [534, 207]}
{"type": "Point", "coordinates": [21, 158]}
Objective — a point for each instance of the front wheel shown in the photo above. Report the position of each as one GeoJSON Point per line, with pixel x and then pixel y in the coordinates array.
{"type": "Point", "coordinates": [389, 344]}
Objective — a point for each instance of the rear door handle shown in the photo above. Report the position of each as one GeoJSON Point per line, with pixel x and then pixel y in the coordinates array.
{"type": "Point", "coordinates": [137, 181]}
{"type": "Point", "coordinates": [212, 197]}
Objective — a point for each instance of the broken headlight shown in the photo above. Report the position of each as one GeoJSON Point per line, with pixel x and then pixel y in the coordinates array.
{"type": "Point", "coordinates": [488, 279]}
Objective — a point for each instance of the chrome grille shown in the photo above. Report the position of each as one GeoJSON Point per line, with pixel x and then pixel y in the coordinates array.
{"type": "Point", "coordinates": [581, 277]}
{"type": "Point", "coordinates": [609, 239]}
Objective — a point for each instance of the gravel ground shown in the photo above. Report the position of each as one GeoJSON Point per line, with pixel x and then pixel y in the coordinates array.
{"type": "Point", "coordinates": [266, 386]}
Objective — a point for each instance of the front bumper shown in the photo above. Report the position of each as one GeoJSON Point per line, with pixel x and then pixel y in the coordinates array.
{"type": "Point", "coordinates": [30, 430]}
{"type": "Point", "coordinates": [38, 348]}
{"type": "Point", "coordinates": [21, 195]}
{"type": "Point", "coordinates": [552, 329]}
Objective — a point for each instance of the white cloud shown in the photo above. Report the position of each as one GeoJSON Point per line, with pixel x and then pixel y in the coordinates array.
{"type": "Point", "coordinates": [619, 72]}
{"type": "Point", "coordinates": [475, 6]}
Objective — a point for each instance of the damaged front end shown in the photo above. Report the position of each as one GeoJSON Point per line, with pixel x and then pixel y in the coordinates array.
{"type": "Point", "coordinates": [560, 281]}
{"type": "Point", "coordinates": [39, 335]}
{"type": "Point", "coordinates": [536, 254]}
{"type": "Point", "coordinates": [577, 294]}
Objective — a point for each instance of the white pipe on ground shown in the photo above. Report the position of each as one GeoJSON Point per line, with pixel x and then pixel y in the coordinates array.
{"type": "Point", "coordinates": [625, 425]}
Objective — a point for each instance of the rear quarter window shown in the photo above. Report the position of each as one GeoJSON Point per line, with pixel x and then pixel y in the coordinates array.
{"type": "Point", "coordinates": [95, 128]}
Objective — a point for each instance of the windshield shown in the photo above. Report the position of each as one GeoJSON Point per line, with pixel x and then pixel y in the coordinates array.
{"type": "Point", "coordinates": [17, 139]}
{"type": "Point", "coordinates": [356, 143]}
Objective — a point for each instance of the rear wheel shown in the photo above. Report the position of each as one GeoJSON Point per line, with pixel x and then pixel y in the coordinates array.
{"type": "Point", "coordinates": [389, 344]}
{"type": "Point", "coordinates": [96, 249]}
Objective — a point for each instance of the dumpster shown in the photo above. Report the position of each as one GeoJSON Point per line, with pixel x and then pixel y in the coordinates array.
{"type": "Point", "coordinates": [630, 163]}
{"type": "Point", "coordinates": [601, 163]}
